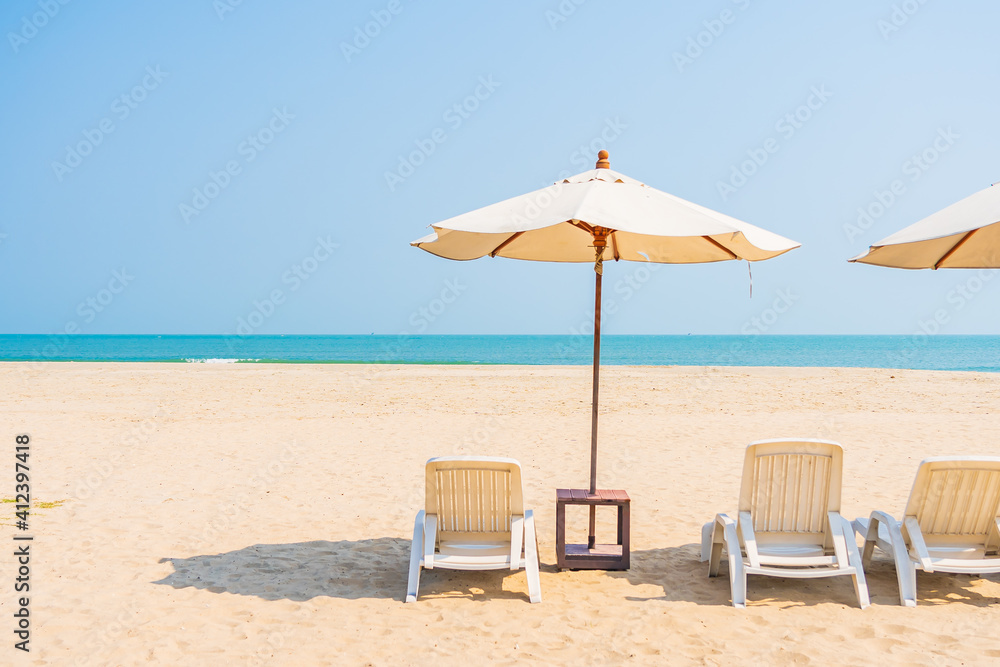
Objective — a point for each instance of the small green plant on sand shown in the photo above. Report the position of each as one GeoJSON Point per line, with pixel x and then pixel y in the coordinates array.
{"type": "Point", "coordinates": [37, 505]}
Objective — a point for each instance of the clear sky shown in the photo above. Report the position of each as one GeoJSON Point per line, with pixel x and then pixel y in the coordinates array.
{"type": "Point", "coordinates": [177, 167]}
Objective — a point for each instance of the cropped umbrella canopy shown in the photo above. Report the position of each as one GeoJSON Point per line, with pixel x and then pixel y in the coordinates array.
{"type": "Point", "coordinates": [597, 215]}
{"type": "Point", "coordinates": [965, 235]}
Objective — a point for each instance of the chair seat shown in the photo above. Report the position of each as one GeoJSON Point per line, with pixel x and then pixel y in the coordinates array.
{"type": "Point", "coordinates": [963, 550]}
{"type": "Point", "coordinates": [970, 551]}
{"type": "Point", "coordinates": [481, 549]}
{"type": "Point", "coordinates": [962, 565]}
{"type": "Point", "coordinates": [474, 556]}
{"type": "Point", "coordinates": [472, 562]}
{"type": "Point", "coordinates": [801, 572]}
{"type": "Point", "coordinates": [791, 550]}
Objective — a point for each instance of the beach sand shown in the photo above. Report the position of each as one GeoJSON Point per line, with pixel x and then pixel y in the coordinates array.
{"type": "Point", "coordinates": [261, 514]}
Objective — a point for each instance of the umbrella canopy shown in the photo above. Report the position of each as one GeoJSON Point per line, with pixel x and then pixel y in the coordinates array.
{"type": "Point", "coordinates": [560, 223]}
{"type": "Point", "coordinates": [965, 235]}
{"type": "Point", "coordinates": [597, 215]}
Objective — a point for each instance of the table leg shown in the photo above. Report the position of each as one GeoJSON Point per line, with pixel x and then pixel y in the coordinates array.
{"type": "Point", "coordinates": [560, 535]}
{"type": "Point", "coordinates": [592, 536]}
{"type": "Point", "coordinates": [621, 508]}
{"type": "Point", "coordinates": [625, 538]}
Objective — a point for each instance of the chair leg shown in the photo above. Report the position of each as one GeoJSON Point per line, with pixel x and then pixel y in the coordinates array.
{"type": "Point", "coordinates": [906, 571]}
{"type": "Point", "coordinates": [715, 549]}
{"type": "Point", "coordinates": [706, 541]}
{"type": "Point", "coordinates": [868, 529]}
{"type": "Point", "coordinates": [723, 534]}
{"type": "Point", "coordinates": [531, 558]}
{"type": "Point", "coordinates": [738, 582]}
{"type": "Point", "coordinates": [906, 574]}
{"type": "Point", "coordinates": [861, 588]}
{"type": "Point", "coordinates": [854, 558]}
{"type": "Point", "coordinates": [724, 531]}
{"type": "Point", "coordinates": [416, 548]}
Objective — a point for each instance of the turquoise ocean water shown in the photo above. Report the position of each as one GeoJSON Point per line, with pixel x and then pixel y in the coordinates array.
{"type": "Point", "coordinates": [962, 353]}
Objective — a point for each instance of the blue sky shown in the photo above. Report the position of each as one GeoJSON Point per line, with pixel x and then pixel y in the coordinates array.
{"type": "Point", "coordinates": [179, 167]}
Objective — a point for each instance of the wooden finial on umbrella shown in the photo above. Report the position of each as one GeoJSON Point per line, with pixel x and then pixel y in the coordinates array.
{"type": "Point", "coordinates": [600, 243]}
{"type": "Point", "coordinates": [602, 160]}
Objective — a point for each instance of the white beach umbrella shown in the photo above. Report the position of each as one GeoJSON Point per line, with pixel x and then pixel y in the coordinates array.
{"type": "Point", "coordinates": [965, 235]}
{"type": "Point", "coordinates": [597, 215]}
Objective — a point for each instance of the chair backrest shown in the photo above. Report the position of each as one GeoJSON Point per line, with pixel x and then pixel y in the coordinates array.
{"type": "Point", "coordinates": [956, 499]}
{"type": "Point", "coordinates": [474, 497]}
{"type": "Point", "coordinates": [790, 485]}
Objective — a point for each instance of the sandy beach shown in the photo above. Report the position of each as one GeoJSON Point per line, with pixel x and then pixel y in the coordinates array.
{"type": "Point", "coordinates": [261, 514]}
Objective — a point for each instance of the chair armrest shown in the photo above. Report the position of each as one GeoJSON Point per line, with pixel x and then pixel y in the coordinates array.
{"type": "Point", "coordinates": [749, 539]}
{"type": "Point", "coordinates": [994, 532]}
{"type": "Point", "coordinates": [873, 534]}
{"type": "Point", "coordinates": [516, 537]}
{"type": "Point", "coordinates": [882, 517]}
{"type": "Point", "coordinates": [836, 524]}
{"type": "Point", "coordinates": [722, 532]}
{"type": "Point", "coordinates": [430, 540]}
{"type": "Point", "coordinates": [917, 542]}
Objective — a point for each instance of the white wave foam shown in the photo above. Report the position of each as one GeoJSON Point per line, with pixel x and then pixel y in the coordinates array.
{"type": "Point", "coordinates": [217, 361]}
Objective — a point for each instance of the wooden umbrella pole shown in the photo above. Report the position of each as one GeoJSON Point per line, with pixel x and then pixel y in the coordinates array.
{"type": "Point", "coordinates": [597, 374]}
{"type": "Point", "coordinates": [599, 244]}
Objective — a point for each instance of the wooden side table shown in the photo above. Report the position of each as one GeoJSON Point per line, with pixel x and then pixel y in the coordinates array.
{"type": "Point", "coordinates": [602, 556]}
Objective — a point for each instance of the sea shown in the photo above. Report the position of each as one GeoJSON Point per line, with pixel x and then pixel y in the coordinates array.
{"type": "Point", "coordinates": [918, 351]}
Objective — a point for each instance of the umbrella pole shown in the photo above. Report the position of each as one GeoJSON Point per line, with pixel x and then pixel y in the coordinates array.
{"type": "Point", "coordinates": [598, 269]}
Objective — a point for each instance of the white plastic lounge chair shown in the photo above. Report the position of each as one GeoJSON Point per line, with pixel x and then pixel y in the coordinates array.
{"type": "Point", "coordinates": [789, 519]}
{"type": "Point", "coordinates": [951, 523]}
{"type": "Point", "coordinates": [474, 519]}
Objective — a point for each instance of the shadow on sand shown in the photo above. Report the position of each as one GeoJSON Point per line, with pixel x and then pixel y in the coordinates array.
{"type": "Point", "coordinates": [377, 568]}
{"type": "Point", "coordinates": [352, 570]}
{"type": "Point", "coordinates": [683, 578]}
{"type": "Point", "coordinates": [300, 571]}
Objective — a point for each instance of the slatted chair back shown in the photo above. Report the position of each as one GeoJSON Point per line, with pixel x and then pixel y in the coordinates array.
{"type": "Point", "coordinates": [957, 501]}
{"type": "Point", "coordinates": [474, 498]}
{"type": "Point", "coordinates": [789, 486]}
